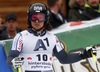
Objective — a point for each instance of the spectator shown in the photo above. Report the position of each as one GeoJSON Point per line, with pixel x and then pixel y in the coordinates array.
{"type": "Point", "coordinates": [10, 29]}
{"type": "Point", "coordinates": [92, 10]}
{"type": "Point", "coordinates": [0, 21]}
{"type": "Point", "coordinates": [56, 16]}
{"type": "Point", "coordinates": [77, 7]}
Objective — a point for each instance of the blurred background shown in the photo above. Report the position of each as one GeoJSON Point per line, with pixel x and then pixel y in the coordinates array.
{"type": "Point", "coordinates": [19, 7]}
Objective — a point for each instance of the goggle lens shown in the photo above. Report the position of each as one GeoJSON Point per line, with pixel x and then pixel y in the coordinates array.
{"type": "Point", "coordinates": [37, 16]}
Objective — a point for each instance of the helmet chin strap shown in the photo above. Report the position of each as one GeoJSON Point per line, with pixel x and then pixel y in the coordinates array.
{"type": "Point", "coordinates": [38, 29]}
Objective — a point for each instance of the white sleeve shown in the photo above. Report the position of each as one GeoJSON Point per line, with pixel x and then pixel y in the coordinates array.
{"type": "Point", "coordinates": [17, 42]}
{"type": "Point", "coordinates": [58, 44]}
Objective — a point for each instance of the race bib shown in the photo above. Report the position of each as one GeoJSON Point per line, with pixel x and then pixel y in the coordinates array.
{"type": "Point", "coordinates": [37, 62]}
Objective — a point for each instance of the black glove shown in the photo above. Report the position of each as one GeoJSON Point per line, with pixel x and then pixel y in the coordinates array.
{"type": "Point", "coordinates": [88, 52]}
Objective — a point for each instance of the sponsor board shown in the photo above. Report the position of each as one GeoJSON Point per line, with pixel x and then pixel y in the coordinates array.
{"type": "Point", "coordinates": [85, 65]}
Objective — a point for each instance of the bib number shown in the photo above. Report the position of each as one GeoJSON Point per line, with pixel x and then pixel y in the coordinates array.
{"type": "Point", "coordinates": [40, 57]}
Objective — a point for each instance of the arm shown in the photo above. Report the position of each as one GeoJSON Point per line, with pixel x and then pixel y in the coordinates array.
{"type": "Point", "coordinates": [65, 58]}
{"type": "Point", "coordinates": [12, 55]}
{"type": "Point", "coordinates": [15, 49]}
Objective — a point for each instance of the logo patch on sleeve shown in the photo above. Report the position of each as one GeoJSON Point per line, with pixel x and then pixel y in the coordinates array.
{"type": "Point", "coordinates": [19, 45]}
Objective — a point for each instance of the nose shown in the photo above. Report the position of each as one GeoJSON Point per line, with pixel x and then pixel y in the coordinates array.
{"type": "Point", "coordinates": [36, 21]}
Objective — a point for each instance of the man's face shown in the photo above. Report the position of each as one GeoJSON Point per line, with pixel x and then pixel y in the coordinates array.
{"type": "Point", "coordinates": [93, 3]}
{"type": "Point", "coordinates": [37, 24]}
{"type": "Point", "coordinates": [37, 20]}
{"type": "Point", "coordinates": [81, 2]}
{"type": "Point", "coordinates": [60, 4]}
{"type": "Point", "coordinates": [0, 20]}
{"type": "Point", "coordinates": [11, 25]}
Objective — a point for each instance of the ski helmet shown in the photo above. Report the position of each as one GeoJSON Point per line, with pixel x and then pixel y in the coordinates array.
{"type": "Point", "coordinates": [38, 8]}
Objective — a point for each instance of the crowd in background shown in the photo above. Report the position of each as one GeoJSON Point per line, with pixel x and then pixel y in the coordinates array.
{"type": "Point", "coordinates": [80, 10]}
{"type": "Point", "coordinates": [10, 28]}
{"type": "Point", "coordinates": [83, 10]}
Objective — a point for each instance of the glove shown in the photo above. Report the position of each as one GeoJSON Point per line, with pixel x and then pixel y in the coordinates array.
{"type": "Point", "coordinates": [17, 62]}
{"type": "Point", "coordinates": [88, 52]}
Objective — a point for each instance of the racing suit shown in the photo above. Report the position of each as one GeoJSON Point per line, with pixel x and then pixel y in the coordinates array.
{"type": "Point", "coordinates": [37, 51]}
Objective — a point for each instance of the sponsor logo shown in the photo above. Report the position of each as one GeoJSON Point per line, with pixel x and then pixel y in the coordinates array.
{"type": "Point", "coordinates": [20, 43]}
{"type": "Point", "coordinates": [29, 58]}
{"type": "Point", "coordinates": [37, 8]}
{"type": "Point", "coordinates": [50, 58]}
{"type": "Point", "coordinates": [57, 39]}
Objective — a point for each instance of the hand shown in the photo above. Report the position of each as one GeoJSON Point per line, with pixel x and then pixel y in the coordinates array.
{"type": "Point", "coordinates": [88, 52]}
{"type": "Point", "coordinates": [17, 62]}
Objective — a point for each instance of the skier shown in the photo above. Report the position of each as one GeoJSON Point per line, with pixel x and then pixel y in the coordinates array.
{"type": "Point", "coordinates": [37, 44]}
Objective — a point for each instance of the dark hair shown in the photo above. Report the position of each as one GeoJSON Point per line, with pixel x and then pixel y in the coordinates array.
{"type": "Point", "coordinates": [48, 26]}
{"type": "Point", "coordinates": [51, 2]}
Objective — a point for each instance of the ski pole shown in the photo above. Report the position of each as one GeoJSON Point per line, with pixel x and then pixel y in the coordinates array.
{"type": "Point", "coordinates": [95, 61]}
{"type": "Point", "coordinates": [19, 69]}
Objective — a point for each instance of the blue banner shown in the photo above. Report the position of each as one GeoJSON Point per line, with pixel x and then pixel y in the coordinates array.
{"type": "Point", "coordinates": [3, 65]}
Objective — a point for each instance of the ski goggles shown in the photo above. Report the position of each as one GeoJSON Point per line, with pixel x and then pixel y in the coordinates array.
{"type": "Point", "coordinates": [37, 16]}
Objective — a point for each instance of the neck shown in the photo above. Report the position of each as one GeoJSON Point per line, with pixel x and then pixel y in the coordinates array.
{"type": "Point", "coordinates": [11, 33]}
{"type": "Point", "coordinates": [37, 31]}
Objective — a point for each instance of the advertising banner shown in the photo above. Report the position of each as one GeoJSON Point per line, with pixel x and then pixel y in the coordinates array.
{"type": "Point", "coordinates": [3, 65]}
